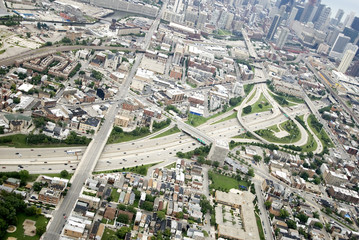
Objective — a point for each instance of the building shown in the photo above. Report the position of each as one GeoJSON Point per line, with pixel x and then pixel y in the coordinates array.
{"type": "Point", "coordinates": [344, 194]}
{"type": "Point", "coordinates": [323, 18]}
{"type": "Point", "coordinates": [282, 39]}
{"type": "Point", "coordinates": [346, 61]}
{"type": "Point", "coordinates": [339, 46]}
{"type": "Point", "coordinates": [334, 178]}
{"type": "Point", "coordinates": [219, 151]}
{"type": "Point", "coordinates": [244, 201]}
{"type": "Point", "coordinates": [89, 124]}
{"type": "Point", "coordinates": [49, 196]}
{"type": "Point", "coordinates": [273, 27]}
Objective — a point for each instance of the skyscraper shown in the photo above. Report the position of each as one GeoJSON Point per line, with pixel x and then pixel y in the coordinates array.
{"type": "Point", "coordinates": [346, 61]}
{"type": "Point", "coordinates": [273, 27]}
{"type": "Point", "coordinates": [339, 46]}
{"type": "Point", "coordinates": [355, 24]}
{"type": "Point", "coordinates": [307, 12]}
{"type": "Point", "coordinates": [323, 18]}
{"type": "Point", "coordinates": [321, 7]}
{"type": "Point", "coordinates": [349, 19]}
{"type": "Point", "coordinates": [282, 38]}
{"type": "Point", "coordinates": [339, 15]}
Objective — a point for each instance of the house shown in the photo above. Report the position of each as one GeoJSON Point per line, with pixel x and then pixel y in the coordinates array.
{"type": "Point", "coordinates": [49, 196]}
{"type": "Point", "coordinates": [110, 213]}
{"type": "Point", "coordinates": [89, 124]}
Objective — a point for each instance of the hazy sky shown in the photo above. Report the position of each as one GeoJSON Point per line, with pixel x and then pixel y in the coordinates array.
{"type": "Point", "coordinates": [346, 5]}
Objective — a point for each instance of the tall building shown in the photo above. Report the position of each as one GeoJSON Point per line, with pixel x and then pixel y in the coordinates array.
{"type": "Point", "coordinates": [308, 11]}
{"type": "Point", "coordinates": [339, 46]}
{"type": "Point", "coordinates": [292, 16]}
{"type": "Point", "coordinates": [349, 19]}
{"type": "Point", "coordinates": [339, 15]}
{"type": "Point", "coordinates": [354, 71]}
{"type": "Point", "coordinates": [202, 18]}
{"type": "Point", "coordinates": [355, 24]}
{"type": "Point", "coordinates": [319, 11]}
{"type": "Point", "coordinates": [282, 39]}
{"type": "Point", "coordinates": [346, 61]}
{"type": "Point", "coordinates": [323, 19]}
{"type": "Point", "coordinates": [299, 13]}
{"type": "Point", "coordinates": [273, 27]}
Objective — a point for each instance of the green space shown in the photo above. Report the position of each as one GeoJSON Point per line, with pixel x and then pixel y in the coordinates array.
{"type": "Point", "coordinates": [192, 85]}
{"type": "Point", "coordinates": [232, 116]}
{"type": "Point", "coordinates": [170, 166]}
{"type": "Point", "coordinates": [289, 126]}
{"type": "Point", "coordinates": [261, 105]}
{"type": "Point", "coordinates": [274, 128]}
{"type": "Point", "coordinates": [248, 88]}
{"type": "Point", "coordinates": [224, 183]}
{"type": "Point", "coordinates": [168, 132]}
{"type": "Point", "coordinates": [318, 130]}
{"type": "Point", "coordinates": [109, 234]}
{"type": "Point", "coordinates": [260, 227]}
{"type": "Point", "coordinates": [246, 135]}
{"type": "Point", "coordinates": [115, 195]}
{"type": "Point", "coordinates": [196, 120]}
{"type": "Point", "coordinates": [223, 32]}
{"type": "Point", "coordinates": [281, 100]}
{"type": "Point", "coordinates": [41, 222]}
{"type": "Point", "coordinates": [68, 176]}
{"type": "Point", "coordinates": [252, 96]}
{"type": "Point", "coordinates": [118, 135]}
{"type": "Point", "coordinates": [311, 144]}
{"type": "Point", "coordinates": [142, 170]}
{"type": "Point", "coordinates": [41, 140]}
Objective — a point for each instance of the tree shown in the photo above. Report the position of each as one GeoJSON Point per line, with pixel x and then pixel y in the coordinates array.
{"type": "Point", "coordinates": [316, 214]}
{"type": "Point", "coordinates": [161, 215]}
{"type": "Point", "coordinates": [16, 100]}
{"type": "Point", "coordinates": [216, 164]}
{"type": "Point", "coordinates": [267, 204]}
{"type": "Point", "coordinates": [64, 174]}
{"type": "Point", "coordinates": [302, 217]}
{"type": "Point", "coordinates": [291, 224]}
{"type": "Point", "coordinates": [283, 213]}
{"type": "Point", "coordinates": [121, 207]}
{"type": "Point", "coordinates": [123, 218]}
{"type": "Point", "coordinates": [318, 225]}
{"type": "Point", "coordinates": [257, 158]}
{"type": "Point", "coordinates": [148, 206]}
{"type": "Point", "coordinates": [37, 186]}
{"type": "Point", "coordinates": [304, 175]}
{"type": "Point", "coordinates": [251, 172]}
{"type": "Point", "coordinates": [247, 109]}
{"type": "Point", "coordinates": [30, 211]}
{"type": "Point", "coordinates": [40, 230]}
{"type": "Point", "coordinates": [121, 233]}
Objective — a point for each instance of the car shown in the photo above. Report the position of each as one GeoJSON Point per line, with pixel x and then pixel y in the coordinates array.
{"type": "Point", "coordinates": [32, 149]}
{"type": "Point", "coordinates": [45, 162]}
{"type": "Point", "coordinates": [3, 167]}
{"type": "Point", "coordinates": [17, 153]}
{"type": "Point", "coordinates": [74, 169]}
{"type": "Point", "coordinates": [65, 163]}
{"type": "Point", "coordinates": [193, 144]}
{"type": "Point", "coordinates": [124, 152]}
{"type": "Point", "coordinates": [39, 155]}
{"type": "Point", "coordinates": [50, 169]}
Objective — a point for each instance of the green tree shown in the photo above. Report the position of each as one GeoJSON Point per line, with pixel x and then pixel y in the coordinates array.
{"type": "Point", "coordinates": [291, 224]}
{"type": "Point", "coordinates": [121, 233]}
{"type": "Point", "coordinates": [257, 158]}
{"type": "Point", "coordinates": [247, 109]}
{"type": "Point", "coordinates": [302, 217]}
{"type": "Point", "coordinates": [216, 164]}
{"type": "Point", "coordinates": [37, 186]}
{"type": "Point", "coordinates": [121, 207]}
{"type": "Point", "coordinates": [161, 215]}
{"type": "Point", "coordinates": [251, 172]}
{"type": "Point", "coordinates": [30, 211]}
{"type": "Point", "coordinates": [316, 214]}
{"type": "Point", "coordinates": [40, 230]}
{"type": "Point", "coordinates": [123, 218]}
{"type": "Point", "coordinates": [148, 206]}
{"type": "Point", "coordinates": [64, 174]}
{"type": "Point", "coordinates": [267, 204]}
{"type": "Point", "coordinates": [283, 213]}
{"type": "Point", "coordinates": [318, 225]}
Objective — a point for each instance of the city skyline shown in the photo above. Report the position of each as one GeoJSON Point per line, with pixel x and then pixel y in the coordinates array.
{"type": "Point", "coordinates": [346, 5]}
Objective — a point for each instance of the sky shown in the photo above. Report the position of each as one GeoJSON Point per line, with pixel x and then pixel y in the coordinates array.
{"type": "Point", "coordinates": [347, 5]}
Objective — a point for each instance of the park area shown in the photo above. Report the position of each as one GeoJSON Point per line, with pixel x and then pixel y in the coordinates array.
{"type": "Point", "coordinates": [225, 183]}
{"type": "Point", "coordinates": [26, 227]}
{"type": "Point", "coordinates": [289, 126]}
{"type": "Point", "coordinates": [261, 105]}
